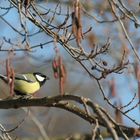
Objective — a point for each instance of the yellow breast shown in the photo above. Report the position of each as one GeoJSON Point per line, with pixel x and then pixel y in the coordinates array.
{"type": "Point", "coordinates": [25, 87]}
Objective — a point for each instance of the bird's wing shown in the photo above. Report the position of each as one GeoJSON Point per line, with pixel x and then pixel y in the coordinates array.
{"type": "Point", "coordinates": [4, 78]}
{"type": "Point", "coordinates": [24, 78]}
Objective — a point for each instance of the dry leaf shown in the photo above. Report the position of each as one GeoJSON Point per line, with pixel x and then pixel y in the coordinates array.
{"type": "Point", "coordinates": [92, 39]}
{"type": "Point", "coordinates": [62, 75]}
{"type": "Point", "coordinates": [55, 68]}
{"type": "Point", "coordinates": [137, 71]}
{"type": "Point", "coordinates": [10, 75]}
{"type": "Point", "coordinates": [8, 69]}
{"type": "Point", "coordinates": [12, 82]}
{"type": "Point", "coordinates": [126, 49]}
{"type": "Point", "coordinates": [139, 90]}
{"type": "Point", "coordinates": [60, 72]}
{"type": "Point", "coordinates": [112, 91]}
{"type": "Point", "coordinates": [76, 22]}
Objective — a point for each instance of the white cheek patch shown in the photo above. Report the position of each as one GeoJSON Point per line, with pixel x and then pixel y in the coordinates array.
{"type": "Point", "coordinates": [40, 78]}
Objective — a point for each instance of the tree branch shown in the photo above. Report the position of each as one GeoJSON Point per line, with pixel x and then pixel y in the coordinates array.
{"type": "Point", "coordinates": [72, 103]}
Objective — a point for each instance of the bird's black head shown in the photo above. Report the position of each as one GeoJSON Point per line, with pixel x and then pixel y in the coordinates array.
{"type": "Point", "coordinates": [41, 78]}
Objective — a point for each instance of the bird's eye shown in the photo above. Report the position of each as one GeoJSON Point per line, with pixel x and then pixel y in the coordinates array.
{"type": "Point", "coordinates": [39, 78]}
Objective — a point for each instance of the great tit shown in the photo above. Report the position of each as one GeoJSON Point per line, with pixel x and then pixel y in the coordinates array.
{"type": "Point", "coordinates": [26, 84]}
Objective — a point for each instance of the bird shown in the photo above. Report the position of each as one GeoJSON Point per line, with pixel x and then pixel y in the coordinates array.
{"type": "Point", "coordinates": [26, 84]}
